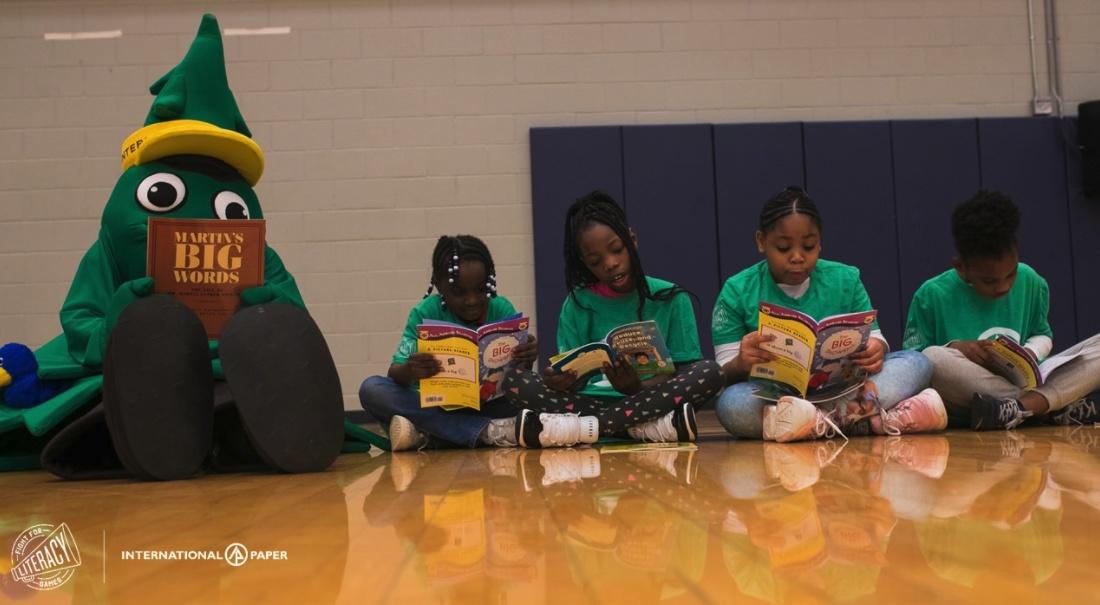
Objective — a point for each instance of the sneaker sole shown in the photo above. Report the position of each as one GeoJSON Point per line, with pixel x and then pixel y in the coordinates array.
{"type": "Point", "coordinates": [402, 434]}
{"type": "Point", "coordinates": [689, 431]}
{"type": "Point", "coordinates": [526, 416]}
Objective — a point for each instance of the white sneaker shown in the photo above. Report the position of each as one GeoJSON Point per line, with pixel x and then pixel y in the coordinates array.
{"type": "Point", "coordinates": [569, 465]}
{"type": "Point", "coordinates": [404, 467]}
{"type": "Point", "coordinates": [677, 425]}
{"type": "Point", "coordinates": [500, 432]}
{"type": "Point", "coordinates": [404, 436]}
{"type": "Point", "coordinates": [794, 419]}
{"type": "Point", "coordinates": [555, 430]}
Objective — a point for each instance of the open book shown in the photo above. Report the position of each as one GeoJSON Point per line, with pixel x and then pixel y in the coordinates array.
{"type": "Point", "coordinates": [1018, 365]}
{"type": "Point", "coordinates": [640, 343]}
{"type": "Point", "coordinates": [812, 357]}
{"type": "Point", "coordinates": [206, 264]}
{"type": "Point", "coordinates": [473, 361]}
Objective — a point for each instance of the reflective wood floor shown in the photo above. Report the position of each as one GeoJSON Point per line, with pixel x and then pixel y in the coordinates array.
{"type": "Point", "coordinates": [1007, 517]}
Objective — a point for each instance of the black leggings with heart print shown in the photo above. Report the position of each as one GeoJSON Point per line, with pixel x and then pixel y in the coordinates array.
{"type": "Point", "coordinates": [696, 383]}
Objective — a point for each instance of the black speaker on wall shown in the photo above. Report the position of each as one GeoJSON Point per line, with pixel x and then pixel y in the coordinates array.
{"type": "Point", "coordinates": [1088, 137]}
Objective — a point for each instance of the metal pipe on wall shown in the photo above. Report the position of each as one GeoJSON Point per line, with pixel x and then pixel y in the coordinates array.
{"type": "Point", "coordinates": [1054, 63]}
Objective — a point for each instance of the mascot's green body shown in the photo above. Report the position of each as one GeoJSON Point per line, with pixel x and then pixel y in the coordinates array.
{"type": "Point", "coordinates": [165, 410]}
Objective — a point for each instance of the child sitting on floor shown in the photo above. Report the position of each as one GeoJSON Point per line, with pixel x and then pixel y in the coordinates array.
{"type": "Point", "coordinates": [792, 275]}
{"type": "Point", "coordinates": [464, 276]}
{"type": "Point", "coordinates": [989, 293]}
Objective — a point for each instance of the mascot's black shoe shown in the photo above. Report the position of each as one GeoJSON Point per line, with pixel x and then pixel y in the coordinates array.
{"type": "Point", "coordinates": [83, 450]}
{"type": "Point", "coordinates": [285, 385]}
{"type": "Point", "coordinates": [158, 389]}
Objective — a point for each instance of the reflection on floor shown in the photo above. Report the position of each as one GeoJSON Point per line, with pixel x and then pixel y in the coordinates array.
{"type": "Point", "coordinates": [964, 517]}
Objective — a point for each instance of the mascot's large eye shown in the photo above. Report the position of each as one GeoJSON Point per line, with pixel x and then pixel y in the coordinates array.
{"type": "Point", "coordinates": [230, 205]}
{"type": "Point", "coordinates": [161, 192]}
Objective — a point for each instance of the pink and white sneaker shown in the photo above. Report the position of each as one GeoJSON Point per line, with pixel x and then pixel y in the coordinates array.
{"type": "Point", "coordinates": [920, 413]}
{"type": "Point", "coordinates": [794, 419]}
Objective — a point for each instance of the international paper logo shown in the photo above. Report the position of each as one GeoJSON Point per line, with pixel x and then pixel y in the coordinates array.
{"type": "Point", "coordinates": [44, 556]}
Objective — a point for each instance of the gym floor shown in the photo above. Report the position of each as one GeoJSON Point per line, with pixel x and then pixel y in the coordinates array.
{"type": "Point", "coordinates": [1006, 517]}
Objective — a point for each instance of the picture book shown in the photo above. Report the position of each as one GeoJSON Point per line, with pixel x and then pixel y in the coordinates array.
{"type": "Point", "coordinates": [639, 446]}
{"type": "Point", "coordinates": [473, 361]}
{"type": "Point", "coordinates": [206, 264]}
{"type": "Point", "coordinates": [1019, 366]}
{"type": "Point", "coordinates": [812, 357]}
{"type": "Point", "coordinates": [641, 343]}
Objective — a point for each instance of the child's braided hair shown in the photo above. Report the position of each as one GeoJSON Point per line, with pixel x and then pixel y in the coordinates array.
{"type": "Point", "coordinates": [792, 200]}
{"type": "Point", "coordinates": [448, 255]}
{"type": "Point", "coordinates": [599, 207]}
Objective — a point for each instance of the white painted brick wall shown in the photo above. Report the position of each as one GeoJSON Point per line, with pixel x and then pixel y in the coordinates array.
{"type": "Point", "coordinates": [387, 124]}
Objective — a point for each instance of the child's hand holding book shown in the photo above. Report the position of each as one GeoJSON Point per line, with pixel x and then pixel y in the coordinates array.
{"type": "Point", "coordinates": [751, 353]}
{"type": "Point", "coordinates": [975, 350]}
{"type": "Point", "coordinates": [871, 357]}
{"type": "Point", "coordinates": [424, 365]}
{"type": "Point", "coordinates": [526, 353]}
{"type": "Point", "coordinates": [622, 376]}
{"type": "Point", "coordinates": [561, 382]}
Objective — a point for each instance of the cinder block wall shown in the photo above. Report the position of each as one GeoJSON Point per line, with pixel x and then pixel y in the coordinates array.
{"type": "Point", "coordinates": [387, 124]}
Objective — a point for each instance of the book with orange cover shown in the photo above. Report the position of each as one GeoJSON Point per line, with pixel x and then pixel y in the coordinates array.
{"type": "Point", "coordinates": [206, 264]}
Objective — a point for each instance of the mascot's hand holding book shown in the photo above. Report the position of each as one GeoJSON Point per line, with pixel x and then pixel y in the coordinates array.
{"type": "Point", "coordinates": [813, 358]}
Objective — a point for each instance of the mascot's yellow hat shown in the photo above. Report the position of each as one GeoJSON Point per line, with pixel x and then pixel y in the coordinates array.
{"type": "Point", "coordinates": [194, 113]}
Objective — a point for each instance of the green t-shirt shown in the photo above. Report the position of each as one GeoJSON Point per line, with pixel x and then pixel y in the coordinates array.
{"type": "Point", "coordinates": [430, 308]}
{"type": "Point", "coordinates": [835, 288]}
{"type": "Point", "coordinates": [946, 308]}
{"type": "Point", "coordinates": [597, 315]}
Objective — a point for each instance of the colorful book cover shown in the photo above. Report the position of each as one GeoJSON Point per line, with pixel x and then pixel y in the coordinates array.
{"type": "Point", "coordinates": [474, 361]}
{"type": "Point", "coordinates": [813, 358]}
{"type": "Point", "coordinates": [1014, 362]}
{"type": "Point", "coordinates": [641, 343]}
{"type": "Point", "coordinates": [206, 264]}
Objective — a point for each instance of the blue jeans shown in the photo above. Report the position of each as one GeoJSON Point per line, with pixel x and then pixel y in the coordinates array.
{"type": "Point", "coordinates": [904, 374]}
{"type": "Point", "coordinates": [383, 398]}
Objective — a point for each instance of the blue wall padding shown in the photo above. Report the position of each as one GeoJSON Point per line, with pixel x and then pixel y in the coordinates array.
{"type": "Point", "coordinates": [1084, 215]}
{"type": "Point", "coordinates": [566, 163]}
{"type": "Point", "coordinates": [752, 162]}
{"type": "Point", "coordinates": [849, 174]}
{"type": "Point", "coordinates": [669, 178]}
{"type": "Point", "coordinates": [1026, 159]}
{"type": "Point", "coordinates": [935, 168]}
{"type": "Point", "coordinates": [885, 188]}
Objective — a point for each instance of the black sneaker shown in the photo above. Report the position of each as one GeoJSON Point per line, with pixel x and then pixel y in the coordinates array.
{"type": "Point", "coordinates": [1082, 411]}
{"type": "Point", "coordinates": [989, 413]}
{"type": "Point", "coordinates": [677, 425]}
{"type": "Point", "coordinates": [555, 430]}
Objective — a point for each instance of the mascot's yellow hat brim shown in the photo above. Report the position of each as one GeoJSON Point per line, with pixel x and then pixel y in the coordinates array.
{"type": "Point", "coordinates": [194, 137]}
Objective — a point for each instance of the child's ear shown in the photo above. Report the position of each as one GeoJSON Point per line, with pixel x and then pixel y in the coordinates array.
{"type": "Point", "coordinates": [760, 242]}
{"type": "Point", "coordinates": [960, 268]}
{"type": "Point", "coordinates": [633, 237]}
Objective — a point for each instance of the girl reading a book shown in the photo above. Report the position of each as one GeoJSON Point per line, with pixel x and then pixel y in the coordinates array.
{"type": "Point", "coordinates": [464, 278]}
{"type": "Point", "coordinates": [607, 289]}
{"type": "Point", "coordinates": [792, 275]}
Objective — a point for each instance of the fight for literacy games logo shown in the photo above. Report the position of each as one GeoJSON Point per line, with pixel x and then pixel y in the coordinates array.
{"type": "Point", "coordinates": [44, 556]}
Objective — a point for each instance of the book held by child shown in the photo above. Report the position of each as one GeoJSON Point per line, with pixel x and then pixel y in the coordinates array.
{"type": "Point", "coordinates": [813, 358]}
{"type": "Point", "coordinates": [1018, 365]}
{"type": "Point", "coordinates": [206, 264]}
{"type": "Point", "coordinates": [640, 343]}
{"type": "Point", "coordinates": [474, 360]}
